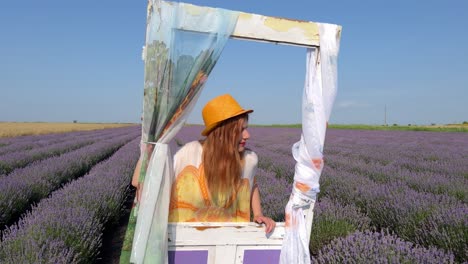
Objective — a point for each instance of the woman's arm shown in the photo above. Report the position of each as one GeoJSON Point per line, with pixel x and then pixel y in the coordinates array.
{"type": "Point", "coordinates": [135, 179]}
{"type": "Point", "coordinates": [255, 203]}
{"type": "Point", "coordinates": [136, 173]}
{"type": "Point", "coordinates": [144, 147]}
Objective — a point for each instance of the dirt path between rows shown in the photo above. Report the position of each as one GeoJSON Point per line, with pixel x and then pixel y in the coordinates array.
{"type": "Point", "coordinates": [114, 236]}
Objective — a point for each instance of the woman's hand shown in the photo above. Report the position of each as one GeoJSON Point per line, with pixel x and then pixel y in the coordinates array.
{"type": "Point", "coordinates": [269, 223]}
{"type": "Point", "coordinates": [139, 190]}
{"type": "Point", "coordinates": [135, 182]}
{"type": "Point", "coordinates": [257, 211]}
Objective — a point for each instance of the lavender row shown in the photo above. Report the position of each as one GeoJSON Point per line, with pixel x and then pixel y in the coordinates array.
{"type": "Point", "coordinates": [11, 161]}
{"type": "Point", "coordinates": [441, 153]}
{"type": "Point", "coordinates": [18, 159]}
{"type": "Point", "coordinates": [283, 166]}
{"type": "Point", "coordinates": [32, 139]}
{"type": "Point", "coordinates": [24, 143]}
{"type": "Point", "coordinates": [333, 220]}
{"type": "Point", "coordinates": [67, 227]}
{"type": "Point", "coordinates": [30, 184]}
{"type": "Point", "coordinates": [379, 247]}
{"type": "Point", "coordinates": [412, 215]}
{"type": "Point", "coordinates": [274, 193]}
{"type": "Point", "coordinates": [421, 181]}
{"type": "Point", "coordinates": [62, 137]}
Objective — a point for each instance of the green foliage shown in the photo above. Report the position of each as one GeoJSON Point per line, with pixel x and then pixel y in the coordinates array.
{"type": "Point", "coordinates": [327, 229]}
{"type": "Point", "coordinates": [401, 128]}
{"type": "Point", "coordinates": [279, 125]}
{"type": "Point", "coordinates": [5, 168]}
{"type": "Point", "coordinates": [409, 127]}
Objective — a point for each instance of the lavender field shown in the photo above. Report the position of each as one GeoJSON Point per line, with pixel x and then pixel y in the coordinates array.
{"type": "Point", "coordinates": [56, 208]}
{"type": "Point", "coordinates": [386, 196]}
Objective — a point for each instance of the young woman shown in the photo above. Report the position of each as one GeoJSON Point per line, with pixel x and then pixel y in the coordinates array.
{"type": "Point", "coordinates": [215, 177]}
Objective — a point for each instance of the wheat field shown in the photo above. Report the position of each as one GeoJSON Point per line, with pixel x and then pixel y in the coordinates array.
{"type": "Point", "coordinates": [14, 129]}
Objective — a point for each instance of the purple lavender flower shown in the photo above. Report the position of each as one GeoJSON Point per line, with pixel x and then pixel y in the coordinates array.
{"type": "Point", "coordinates": [67, 226]}
{"type": "Point", "coordinates": [32, 183]}
{"type": "Point", "coordinates": [332, 220]}
{"type": "Point", "coordinates": [378, 247]}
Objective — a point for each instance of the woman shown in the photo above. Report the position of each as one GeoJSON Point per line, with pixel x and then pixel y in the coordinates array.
{"type": "Point", "coordinates": [215, 177]}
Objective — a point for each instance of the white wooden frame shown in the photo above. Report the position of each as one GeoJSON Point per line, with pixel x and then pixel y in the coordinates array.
{"type": "Point", "coordinates": [226, 242]}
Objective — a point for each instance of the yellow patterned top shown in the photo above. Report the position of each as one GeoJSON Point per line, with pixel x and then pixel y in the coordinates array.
{"type": "Point", "coordinates": [190, 198]}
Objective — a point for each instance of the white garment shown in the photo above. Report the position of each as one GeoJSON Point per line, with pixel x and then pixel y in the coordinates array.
{"type": "Point", "coordinates": [191, 154]}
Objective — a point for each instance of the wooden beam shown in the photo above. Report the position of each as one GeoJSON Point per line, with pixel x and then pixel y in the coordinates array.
{"type": "Point", "coordinates": [276, 30]}
{"type": "Point", "coordinates": [223, 233]}
{"type": "Point", "coordinates": [264, 28]}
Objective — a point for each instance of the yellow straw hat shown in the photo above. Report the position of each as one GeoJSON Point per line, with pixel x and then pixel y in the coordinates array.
{"type": "Point", "coordinates": [219, 109]}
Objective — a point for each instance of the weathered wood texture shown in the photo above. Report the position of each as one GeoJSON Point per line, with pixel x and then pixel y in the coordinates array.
{"type": "Point", "coordinates": [267, 29]}
{"type": "Point", "coordinates": [225, 243]}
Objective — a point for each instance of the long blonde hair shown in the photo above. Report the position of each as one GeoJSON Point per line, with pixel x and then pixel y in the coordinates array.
{"type": "Point", "coordinates": [222, 160]}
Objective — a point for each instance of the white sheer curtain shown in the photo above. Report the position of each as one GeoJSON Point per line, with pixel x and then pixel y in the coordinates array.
{"type": "Point", "coordinates": [319, 94]}
{"type": "Point", "coordinates": [177, 65]}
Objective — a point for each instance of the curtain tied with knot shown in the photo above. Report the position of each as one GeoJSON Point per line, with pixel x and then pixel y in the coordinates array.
{"type": "Point", "coordinates": [177, 65]}
{"type": "Point", "coordinates": [317, 101]}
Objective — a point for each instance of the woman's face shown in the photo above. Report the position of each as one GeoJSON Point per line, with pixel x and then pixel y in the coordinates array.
{"type": "Point", "coordinates": [244, 135]}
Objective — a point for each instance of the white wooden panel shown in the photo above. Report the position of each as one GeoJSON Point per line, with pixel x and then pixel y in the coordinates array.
{"type": "Point", "coordinates": [186, 234]}
{"type": "Point", "coordinates": [225, 254]}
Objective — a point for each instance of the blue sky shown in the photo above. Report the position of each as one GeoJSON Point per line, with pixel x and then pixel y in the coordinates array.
{"type": "Point", "coordinates": [81, 60]}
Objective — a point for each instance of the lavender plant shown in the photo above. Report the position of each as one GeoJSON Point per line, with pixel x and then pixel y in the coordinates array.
{"type": "Point", "coordinates": [24, 143]}
{"type": "Point", "coordinates": [379, 247]}
{"type": "Point", "coordinates": [274, 193]}
{"type": "Point", "coordinates": [18, 159]}
{"type": "Point", "coordinates": [11, 161]}
{"type": "Point", "coordinates": [67, 227]}
{"type": "Point", "coordinates": [446, 228]}
{"type": "Point", "coordinates": [32, 183]}
{"type": "Point", "coordinates": [401, 180]}
{"type": "Point", "coordinates": [332, 220]}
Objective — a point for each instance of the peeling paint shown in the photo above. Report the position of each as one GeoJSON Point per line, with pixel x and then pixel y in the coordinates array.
{"type": "Point", "coordinates": [284, 25]}
{"type": "Point", "coordinates": [203, 228]}
{"type": "Point", "coordinates": [276, 30]}
{"type": "Point", "coordinates": [245, 16]}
